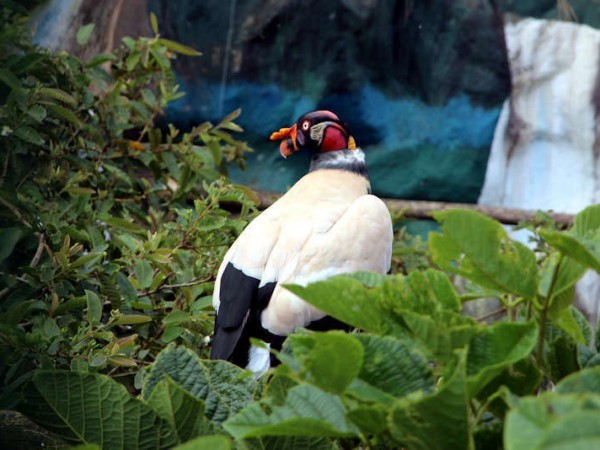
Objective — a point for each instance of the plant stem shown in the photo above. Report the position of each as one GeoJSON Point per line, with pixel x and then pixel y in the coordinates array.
{"type": "Point", "coordinates": [544, 313]}
{"type": "Point", "coordinates": [491, 314]}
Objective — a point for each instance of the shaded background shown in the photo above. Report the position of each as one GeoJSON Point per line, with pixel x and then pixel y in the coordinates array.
{"type": "Point", "coordinates": [421, 83]}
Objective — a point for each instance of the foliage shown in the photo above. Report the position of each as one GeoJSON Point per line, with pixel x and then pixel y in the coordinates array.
{"type": "Point", "coordinates": [112, 228]}
{"type": "Point", "coordinates": [417, 373]}
{"type": "Point", "coordinates": [111, 225]}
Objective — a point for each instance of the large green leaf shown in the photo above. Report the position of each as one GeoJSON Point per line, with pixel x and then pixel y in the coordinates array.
{"type": "Point", "coordinates": [587, 380]}
{"type": "Point", "coordinates": [376, 303]}
{"type": "Point", "coordinates": [348, 300]}
{"type": "Point", "coordinates": [587, 222]}
{"type": "Point", "coordinates": [560, 350]}
{"type": "Point", "coordinates": [331, 359]}
{"type": "Point", "coordinates": [583, 250]}
{"type": "Point", "coordinates": [307, 411]}
{"type": "Point", "coordinates": [436, 421]}
{"type": "Point", "coordinates": [428, 291]}
{"type": "Point", "coordinates": [582, 242]}
{"type": "Point", "coordinates": [479, 249]}
{"type": "Point", "coordinates": [440, 333]}
{"type": "Point", "coordinates": [554, 421]}
{"type": "Point", "coordinates": [569, 272]}
{"type": "Point", "coordinates": [207, 443]}
{"type": "Point", "coordinates": [94, 409]}
{"type": "Point", "coordinates": [396, 366]}
{"type": "Point", "coordinates": [225, 388]}
{"type": "Point", "coordinates": [181, 409]}
{"type": "Point", "coordinates": [496, 347]}
{"type": "Point", "coordinates": [288, 443]}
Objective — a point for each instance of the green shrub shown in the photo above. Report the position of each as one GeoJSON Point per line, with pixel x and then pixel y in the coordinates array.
{"type": "Point", "coordinates": [111, 226]}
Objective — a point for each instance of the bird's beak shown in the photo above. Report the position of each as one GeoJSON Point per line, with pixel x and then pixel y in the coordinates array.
{"type": "Point", "coordinates": [288, 140]}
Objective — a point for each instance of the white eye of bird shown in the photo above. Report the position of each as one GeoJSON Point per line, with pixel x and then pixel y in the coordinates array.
{"type": "Point", "coordinates": [305, 125]}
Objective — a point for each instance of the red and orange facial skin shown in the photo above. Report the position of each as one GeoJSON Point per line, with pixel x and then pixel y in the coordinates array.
{"type": "Point", "coordinates": [329, 134]}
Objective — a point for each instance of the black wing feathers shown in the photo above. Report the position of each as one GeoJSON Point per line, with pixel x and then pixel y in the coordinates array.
{"type": "Point", "coordinates": [238, 319]}
{"type": "Point", "coordinates": [237, 292]}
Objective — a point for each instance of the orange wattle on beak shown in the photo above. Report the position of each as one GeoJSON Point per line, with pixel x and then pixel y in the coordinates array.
{"type": "Point", "coordinates": [288, 140]}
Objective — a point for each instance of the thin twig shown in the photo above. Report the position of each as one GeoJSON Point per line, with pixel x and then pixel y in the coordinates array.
{"type": "Point", "coordinates": [16, 212]}
{"type": "Point", "coordinates": [39, 251]}
{"type": "Point", "coordinates": [174, 286]}
{"type": "Point", "coordinates": [490, 314]}
{"type": "Point", "coordinates": [4, 292]}
{"type": "Point", "coordinates": [5, 168]}
{"type": "Point", "coordinates": [544, 313]}
{"type": "Point", "coordinates": [416, 209]}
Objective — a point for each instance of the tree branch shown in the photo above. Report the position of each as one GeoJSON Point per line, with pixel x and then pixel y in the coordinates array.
{"type": "Point", "coordinates": [415, 209]}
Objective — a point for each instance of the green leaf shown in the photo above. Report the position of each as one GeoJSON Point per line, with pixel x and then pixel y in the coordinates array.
{"type": "Point", "coordinates": [67, 114]}
{"type": "Point", "coordinates": [231, 116]}
{"type": "Point", "coordinates": [181, 409]}
{"type": "Point", "coordinates": [153, 22]}
{"type": "Point", "coordinates": [69, 305]}
{"type": "Point", "coordinates": [307, 411]}
{"type": "Point", "coordinates": [332, 359]}
{"type": "Point", "coordinates": [436, 421]}
{"type": "Point", "coordinates": [123, 224]}
{"type": "Point", "coordinates": [586, 380]}
{"type": "Point", "coordinates": [554, 421]}
{"type": "Point", "coordinates": [94, 307]}
{"type": "Point", "coordinates": [132, 319]}
{"type": "Point", "coordinates": [370, 419]}
{"type": "Point", "coordinates": [100, 59]}
{"type": "Point", "coordinates": [587, 222]}
{"type": "Point", "coordinates": [9, 238]}
{"type": "Point", "coordinates": [84, 33]}
{"type": "Point", "coordinates": [160, 58]}
{"type": "Point", "coordinates": [395, 366]}
{"type": "Point", "coordinates": [176, 317]}
{"type": "Point", "coordinates": [289, 443]}
{"type": "Point", "coordinates": [495, 348]}
{"type": "Point", "coordinates": [171, 333]}
{"type": "Point", "coordinates": [179, 48]}
{"type": "Point", "coordinates": [58, 94]}
{"type": "Point", "coordinates": [346, 299]}
{"type": "Point", "coordinates": [87, 260]}
{"type": "Point", "coordinates": [9, 79]}
{"type": "Point", "coordinates": [37, 113]}
{"type": "Point", "coordinates": [27, 62]}
{"type": "Point", "coordinates": [478, 248]}
{"type": "Point", "coordinates": [565, 321]}
{"type": "Point", "coordinates": [207, 443]}
{"type": "Point", "coordinates": [583, 251]}
{"type": "Point", "coordinates": [94, 409]}
{"type": "Point", "coordinates": [29, 135]}
{"type": "Point", "coordinates": [569, 272]}
{"type": "Point", "coordinates": [561, 354]}
{"type": "Point", "coordinates": [225, 388]}
{"type": "Point", "coordinates": [143, 273]}
{"type": "Point", "coordinates": [126, 289]}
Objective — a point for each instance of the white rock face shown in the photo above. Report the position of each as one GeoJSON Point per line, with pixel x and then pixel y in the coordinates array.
{"type": "Point", "coordinates": [545, 153]}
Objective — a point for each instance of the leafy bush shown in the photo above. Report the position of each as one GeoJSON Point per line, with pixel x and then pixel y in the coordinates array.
{"type": "Point", "coordinates": [111, 226]}
{"type": "Point", "coordinates": [419, 374]}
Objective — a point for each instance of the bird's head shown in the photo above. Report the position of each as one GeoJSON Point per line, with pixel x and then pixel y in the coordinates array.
{"type": "Point", "coordinates": [317, 131]}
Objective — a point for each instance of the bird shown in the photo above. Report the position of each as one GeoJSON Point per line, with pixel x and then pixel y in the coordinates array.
{"type": "Point", "coordinates": [327, 223]}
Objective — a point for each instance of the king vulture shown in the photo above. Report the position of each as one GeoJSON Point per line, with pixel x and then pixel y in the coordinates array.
{"type": "Point", "coordinates": [328, 223]}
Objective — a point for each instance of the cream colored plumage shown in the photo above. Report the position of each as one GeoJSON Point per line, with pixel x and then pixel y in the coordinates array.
{"type": "Point", "coordinates": [326, 224]}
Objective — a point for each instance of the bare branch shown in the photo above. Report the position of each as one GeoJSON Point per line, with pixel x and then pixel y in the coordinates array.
{"type": "Point", "coordinates": [414, 209]}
